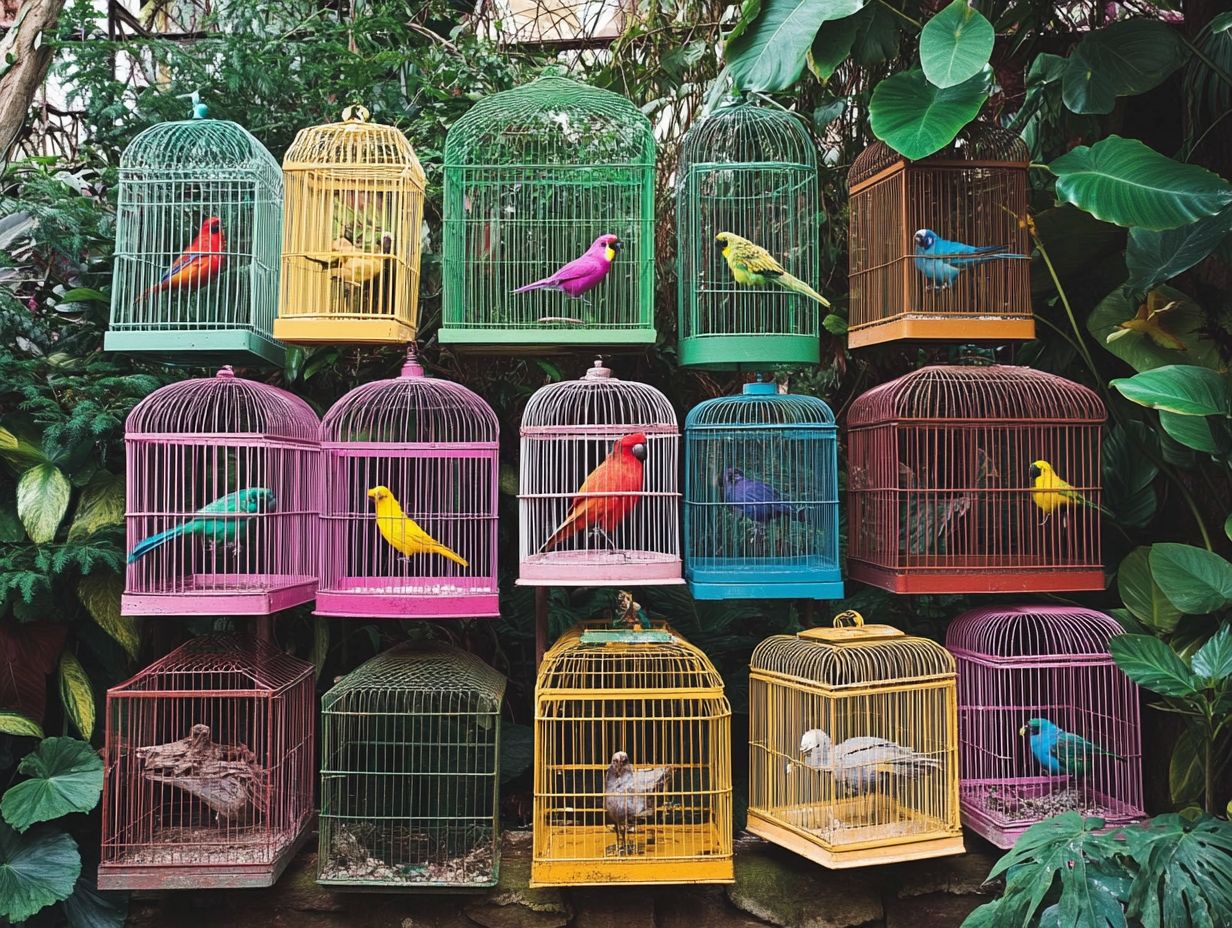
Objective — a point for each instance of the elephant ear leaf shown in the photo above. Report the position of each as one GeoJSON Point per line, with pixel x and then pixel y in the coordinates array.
{"type": "Point", "coordinates": [37, 869]}
{"type": "Point", "coordinates": [64, 776]}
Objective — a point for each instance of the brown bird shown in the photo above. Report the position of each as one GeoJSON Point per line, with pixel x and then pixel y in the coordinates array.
{"type": "Point", "coordinates": [631, 796]}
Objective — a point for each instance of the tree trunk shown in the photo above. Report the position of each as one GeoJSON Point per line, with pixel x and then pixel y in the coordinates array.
{"type": "Point", "coordinates": [20, 81]}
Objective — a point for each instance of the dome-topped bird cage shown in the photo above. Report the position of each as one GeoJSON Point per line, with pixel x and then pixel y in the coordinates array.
{"type": "Point", "coordinates": [911, 275]}
{"type": "Point", "coordinates": [853, 745]}
{"type": "Point", "coordinates": [632, 762]}
{"type": "Point", "coordinates": [208, 768]}
{"type": "Point", "coordinates": [410, 772]}
{"type": "Point", "coordinates": [752, 171]}
{"type": "Point", "coordinates": [351, 240]}
{"type": "Point", "coordinates": [198, 227]}
{"type": "Point", "coordinates": [761, 497]}
{"type": "Point", "coordinates": [1047, 722]}
{"type": "Point", "coordinates": [535, 178]}
{"type": "Point", "coordinates": [598, 489]}
{"type": "Point", "coordinates": [409, 509]}
{"type": "Point", "coordinates": [975, 479]}
{"type": "Point", "coordinates": [223, 499]}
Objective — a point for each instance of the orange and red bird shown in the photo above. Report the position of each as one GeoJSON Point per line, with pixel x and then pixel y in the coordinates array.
{"type": "Point", "coordinates": [198, 264]}
{"type": "Point", "coordinates": [620, 473]}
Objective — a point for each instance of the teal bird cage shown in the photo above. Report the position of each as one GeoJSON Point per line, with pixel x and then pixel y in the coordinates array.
{"type": "Point", "coordinates": [549, 221]}
{"type": "Point", "coordinates": [198, 232]}
{"type": "Point", "coordinates": [761, 497]}
{"type": "Point", "coordinates": [750, 171]}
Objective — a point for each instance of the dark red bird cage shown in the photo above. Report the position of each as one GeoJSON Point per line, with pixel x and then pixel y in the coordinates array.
{"type": "Point", "coordinates": [209, 768]}
{"type": "Point", "coordinates": [944, 482]}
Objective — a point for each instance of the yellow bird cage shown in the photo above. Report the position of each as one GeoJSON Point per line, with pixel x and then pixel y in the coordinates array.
{"type": "Point", "coordinates": [632, 762]}
{"type": "Point", "coordinates": [351, 235]}
{"type": "Point", "coordinates": [853, 745]}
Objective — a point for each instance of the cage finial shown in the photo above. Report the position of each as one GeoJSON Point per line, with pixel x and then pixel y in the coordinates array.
{"type": "Point", "coordinates": [226, 372]}
{"type": "Point", "coordinates": [412, 367]}
{"type": "Point", "coordinates": [199, 109]}
{"type": "Point", "coordinates": [598, 372]}
{"type": "Point", "coordinates": [849, 615]}
{"type": "Point", "coordinates": [356, 113]}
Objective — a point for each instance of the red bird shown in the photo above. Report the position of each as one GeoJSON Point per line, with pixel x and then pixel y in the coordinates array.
{"type": "Point", "coordinates": [620, 473]}
{"type": "Point", "coordinates": [199, 263]}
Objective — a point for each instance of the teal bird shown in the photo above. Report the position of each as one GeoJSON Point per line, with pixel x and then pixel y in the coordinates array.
{"type": "Point", "coordinates": [243, 503]}
{"type": "Point", "coordinates": [1060, 752]}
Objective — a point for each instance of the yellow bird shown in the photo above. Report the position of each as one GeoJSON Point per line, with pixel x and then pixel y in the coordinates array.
{"type": "Point", "coordinates": [357, 267]}
{"type": "Point", "coordinates": [1051, 492]}
{"type": "Point", "coordinates": [401, 531]}
{"type": "Point", "coordinates": [753, 266]}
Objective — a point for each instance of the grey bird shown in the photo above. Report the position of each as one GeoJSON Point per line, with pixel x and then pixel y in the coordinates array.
{"type": "Point", "coordinates": [862, 764]}
{"type": "Point", "coordinates": [631, 795]}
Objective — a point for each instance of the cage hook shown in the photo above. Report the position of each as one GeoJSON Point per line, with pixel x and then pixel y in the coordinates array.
{"type": "Point", "coordinates": [847, 615]}
{"type": "Point", "coordinates": [226, 372]}
{"type": "Point", "coordinates": [356, 113]}
{"type": "Point", "coordinates": [199, 109]}
{"type": "Point", "coordinates": [411, 367]}
{"type": "Point", "coordinates": [598, 371]}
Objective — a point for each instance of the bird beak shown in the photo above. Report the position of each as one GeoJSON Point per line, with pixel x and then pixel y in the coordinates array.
{"type": "Point", "coordinates": [720, 243]}
{"type": "Point", "coordinates": [1035, 471]}
{"type": "Point", "coordinates": [639, 451]}
{"type": "Point", "coordinates": [1022, 731]}
{"type": "Point", "coordinates": [372, 494]}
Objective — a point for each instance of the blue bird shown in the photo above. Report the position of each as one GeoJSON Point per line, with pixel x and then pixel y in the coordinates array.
{"type": "Point", "coordinates": [755, 500]}
{"type": "Point", "coordinates": [223, 521]}
{"type": "Point", "coordinates": [1060, 752]}
{"type": "Point", "coordinates": [941, 261]}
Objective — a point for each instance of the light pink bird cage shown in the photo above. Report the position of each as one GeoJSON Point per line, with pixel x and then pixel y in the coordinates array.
{"type": "Point", "coordinates": [1019, 663]}
{"type": "Point", "coordinates": [223, 487]}
{"type": "Point", "coordinates": [433, 447]}
{"type": "Point", "coordinates": [598, 492]}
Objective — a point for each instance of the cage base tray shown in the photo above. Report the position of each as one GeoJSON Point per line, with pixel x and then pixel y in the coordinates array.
{"type": "Point", "coordinates": [874, 845]}
{"type": "Point", "coordinates": [596, 567]}
{"type": "Point", "coordinates": [198, 347]}
{"type": "Point", "coordinates": [223, 594]}
{"type": "Point", "coordinates": [767, 588]}
{"type": "Point", "coordinates": [573, 855]}
{"type": "Point", "coordinates": [999, 810]}
{"type": "Point", "coordinates": [976, 577]}
{"type": "Point", "coordinates": [330, 330]}
{"type": "Point", "coordinates": [956, 326]}
{"type": "Point", "coordinates": [748, 352]}
{"type": "Point", "coordinates": [497, 340]}
{"type": "Point", "coordinates": [424, 599]}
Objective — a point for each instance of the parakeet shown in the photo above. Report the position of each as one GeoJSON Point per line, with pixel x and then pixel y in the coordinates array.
{"type": "Point", "coordinates": [863, 764]}
{"type": "Point", "coordinates": [1058, 751]}
{"type": "Point", "coordinates": [354, 266]}
{"type": "Point", "coordinates": [402, 532]}
{"type": "Point", "coordinates": [755, 500]}
{"type": "Point", "coordinates": [753, 266]}
{"type": "Point", "coordinates": [219, 522]}
{"type": "Point", "coordinates": [941, 261]}
{"type": "Point", "coordinates": [621, 473]}
{"type": "Point", "coordinates": [198, 264]}
{"type": "Point", "coordinates": [581, 275]}
{"type": "Point", "coordinates": [1052, 493]}
{"type": "Point", "coordinates": [630, 795]}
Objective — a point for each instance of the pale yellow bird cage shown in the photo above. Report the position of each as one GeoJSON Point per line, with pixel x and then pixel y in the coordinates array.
{"type": "Point", "coordinates": [853, 745]}
{"type": "Point", "coordinates": [632, 761]}
{"type": "Point", "coordinates": [353, 215]}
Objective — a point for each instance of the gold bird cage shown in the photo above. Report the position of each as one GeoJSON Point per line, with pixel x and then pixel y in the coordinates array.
{"type": "Point", "coordinates": [351, 235]}
{"type": "Point", "coordinates": [853, 745]}
{"type": "Point", "coordinates": [632, 761]}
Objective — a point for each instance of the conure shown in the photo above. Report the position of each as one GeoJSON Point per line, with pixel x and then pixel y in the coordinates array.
{"type": "Point", "coordinates": [753, 266]}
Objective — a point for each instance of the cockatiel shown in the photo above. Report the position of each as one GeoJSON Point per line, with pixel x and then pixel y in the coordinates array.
{"type": "Point", "coordinates": [403, 533]}
{"type": "Point", "coordinates": [753, 266]}
{"type": "Point", "coordinates": [197, 264]}
{"type": "Point", "coordinates": [941, 261]}
{"type": "Point", "coordinates": [631, 796]}
{"type": "Point", "coordinates": [581, 275]}
{"type": "Point", "coordinates": [221, 522]}
{"type": "Point", "coordinates": [621, 473]}
{"type": "Point", "coordinates": [863, 764]}
{"type": "Point", "coordinates": [1058, 751]}
{"type": "Point", "coordinates": [1050, 492]}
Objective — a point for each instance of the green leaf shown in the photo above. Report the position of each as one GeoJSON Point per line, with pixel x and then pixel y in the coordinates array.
{"type": "Point", "coordinates": [1184, 877]}
{"type": "Point", "coordinates": [89, 908]}
{"type": "Point", "coordinates": [1174, 335]}
{"type": "Point", "coordinates": [101, 505]}
{"type": "Point", "coordinates": [1195, 580]}
{"type": "Point", "coordinates": [1186, 773]}
{"type": "Point", "coordinates": [1155, 257]}
{"type": "Point", "coordinates": [84, 295]}
{"type": "Point", "coordinates": [1152, 664]}
{"type": "Point", "coordinates": [1122, 59]}
{"type": "Point", "coordinates": [20, 451]}
{"type": "Point", "coordinates": [1227, 526]}
{"type": "Point", "coordinates": [955, 45]}
{"type": "Point", "coordinates": [66, 775]}
{"type": "Point", "coordinates": [1213, 661]}
{"type": "Point", "coordinates": [1128, 475]}
{"type": "Point", "coordinates": [916, 118]}
{"type": "Point", "coordinates": [877, 36]}
{"type": "Point", "coordinates": [42, 499]}
{"type": "Point", "coordinates": [100, 593]}
{"type": "Point", "coordinates": [36, 870]}
{"type": "Point", "coordinates": [1142, 595]}
{"type": "Point", "coordinates": [14, 723]}
{"type": "Point", "coordinates": [1185, 389]}
{"type": "Point", "coordinates": [832, 45]}
{"type": "Point", "coordinates": [76, 694]}
{"type": "Point", "coordinates": [1191, 431]}
{"type": "Point", "coordinates": [834, 324]}
{"type": "Point", "coordinates": [769, 54]}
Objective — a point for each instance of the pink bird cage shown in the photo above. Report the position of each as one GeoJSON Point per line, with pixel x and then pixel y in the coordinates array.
{"type": "Point", "coordinates": [409, 508]}
{"type": "Point", "coordinates": [599, 491]}
{"type": "Point", "coordinates": [1023, 664]}
{"type": "Point", "coordinates": [223, 487]}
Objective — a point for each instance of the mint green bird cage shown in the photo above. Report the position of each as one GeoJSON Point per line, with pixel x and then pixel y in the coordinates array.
{"type": "Point", "coordinates": [410, 772]}
{"type": "Point", "coordinates": [752, 171]}
{"type": "Point", "coordinates": [533, 177]}
{"type": "Point", "coordinates": [198, 233]}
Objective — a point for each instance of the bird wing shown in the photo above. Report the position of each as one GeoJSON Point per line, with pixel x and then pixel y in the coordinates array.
{"type": "Point", "coordinates": [867, 751]}
{"type": "Point", "coordinates": [945, 248]}
{"type": "Point", "coordinates": [759, 261]}
{"type": "Point", "coordinates": [754, 491]}
{"type": "Point", "coordinates": [575, 269]}
{"type": "Point", "coordinates": [1067, 747]}
{"type": "Point", "coordinates": [224, 504]}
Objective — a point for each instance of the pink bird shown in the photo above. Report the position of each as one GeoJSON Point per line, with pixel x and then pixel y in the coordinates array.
{"type": "Point", "coordinates": [581, 275]}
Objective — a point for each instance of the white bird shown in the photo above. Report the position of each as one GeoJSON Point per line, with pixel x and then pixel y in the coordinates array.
{"type": "Point", "coordinates": [631, 795]}
{"type": "Point", "coordinates": [862, 764]}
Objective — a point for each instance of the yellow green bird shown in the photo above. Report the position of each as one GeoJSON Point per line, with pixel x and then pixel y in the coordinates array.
{"type": "Point", "coordinates": [402, 532]}
{"type": "Point", "coordinates": [753, 266]}
{"type": "Point", "coordinates": [1051, 492]}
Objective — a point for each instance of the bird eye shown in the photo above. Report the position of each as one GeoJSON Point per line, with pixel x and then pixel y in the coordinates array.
{"type": "Point", "coordinates": [639, 451]}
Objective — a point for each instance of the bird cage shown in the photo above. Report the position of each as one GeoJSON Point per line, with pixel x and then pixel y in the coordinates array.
{"type": "Point", "coordinates": [410, 772]}
{"type": "Point", "coordinates": [198, 226]}
{"type": "Point", "coordinates": [761, 497]}
{"type": "Point", "coordinates": [208, 768]}
{"type": "Point", "coordinates": [222, 499]}
{"type": "Point", "coordinates": [752, 171]}
{"type": "Point", "coordinates": [1047, 722]}
{"type": "Point", "coordinates": [409, 507]}
{"type": "Point", "coordinates": [975, 479]}
{"type": "Point", "coordinates": [632, 774]}
{"type": "Point", "coordinates": [350, 247]}
{"type": "Point", "coordinates": [597, 492]}
{"type": "Point", "coordinates": [938, 247]}
{"type": "Point", "coordinates": [550, 174]}
{"type": "Point", "coordinates": [853, 745]}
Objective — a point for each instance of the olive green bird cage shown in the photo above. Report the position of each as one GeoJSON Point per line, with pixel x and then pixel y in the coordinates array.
{"type": "Point", "coordinates": [533, 177]}
{"type": "Point", "coordinates": [410, 772]}
{"type": "Point", "coordinates": [198, 231]}
{"type": "Point", "coordinates": [752, 171]}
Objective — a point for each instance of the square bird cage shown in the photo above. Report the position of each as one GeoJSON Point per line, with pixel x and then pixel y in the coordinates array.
{"type": "Point", "coordinates": [208, 768]}
{"type": "Point", "coordinates": [1047, 722]}
{"type": "Point", "coordinates": [751, 171]}
{"type": "Point", "coordinates": [223, 499]}
{"type": "Point", "coordinates": [632, 762]}
{"type": "Point", "coordinates": [853, 745]}
{"type": "Point", "coordinates": [536, 178]}
{"type": "Point", "coordinates": [975, 479]}
{"type": "Point", "coordinates": [598, 493]}
{"type": "Point", "coordinates": [761, 497]}
{"type": "Point", "coordinates": [409, 508]}
{"type": "Point", "coordinates": [410, 772]}
{"type": "Point", "coordinates": [351, 238]}
{"type": "Point", "coordinates": [912, 274]}
{"type": "Point", "coordinates": [198, 226]}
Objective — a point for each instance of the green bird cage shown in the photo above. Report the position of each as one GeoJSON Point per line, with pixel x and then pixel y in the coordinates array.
{"type": "Point", "coordinates": [533, 177]}
{"type": "Point", "coordinates": [752, 171]}
{"type": "Point", "coordinates": [198, 233]}
{"type": "Point", "coordinates": [410, 771]}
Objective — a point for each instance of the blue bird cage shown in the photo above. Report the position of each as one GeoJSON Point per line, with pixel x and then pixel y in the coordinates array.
{"type": "Point", "coordinates": [761, 497]}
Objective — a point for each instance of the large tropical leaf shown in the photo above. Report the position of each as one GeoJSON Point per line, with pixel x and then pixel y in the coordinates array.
{"type": "Point", "coordinates": [1165, 327]}
{"type": "Point", "coordinates": [100, 593]}
{"type": "Point", "coordinates": [1195, 580]}
{"type": "Point", "coordinates": [769, 53]}
{"type": "Point", "coordinates": [955, 45]}
{"type": "Point", "coordinates": [1186, 768]}
{"type": "Point", "coordinates": [36, 869]}
{"type": "Point", "coordinates": [1128, 475]}
{"type": "Point", "coordinates": [20, 450]}
{"type": "Point", "coordinates": [1142, 595]}
{"type": "Point", "coordinates": [28, 653]}
{"type": "Point", "coordinates": [1122, 59]}
{"type": "Point", "coordinates": [65, 775]}
{"type": "Point", "coordinates": [101, 505]}
{"type": "Point", "coordinates": [14, 723]}
{"type": "Point", "coordinates": [917, 118]}
{"type": "Point", "coordinates": [832, 45]}
{"type": "Point", "coordinates": [1153, 665]}
{"type": "Point", "coordinates": [1185, 389]}
{"type": "Point", "coordinates": [1155, 257]}
{"type": "Point", "coordinates": [87, 907]}
{"type": "Point", "coordinates": [1184, 877]}
{"type": "Point", "coordinates": [42, 499]}
{"type": "Point", "coordinates": [1213, 660]}
{"type": "Point", "coordinates": [1193, 432]}
{"type": "Point", "coordinates": [76, 694]}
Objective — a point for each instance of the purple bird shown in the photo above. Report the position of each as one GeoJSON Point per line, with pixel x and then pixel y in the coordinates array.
{"type": "Point", "coordinates": [755, 500]}
{"type": "Point", "coordinates": [581, 275]}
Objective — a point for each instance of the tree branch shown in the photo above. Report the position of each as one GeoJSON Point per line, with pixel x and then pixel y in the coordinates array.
{"type": "Point", "coordinates": [20, 80]}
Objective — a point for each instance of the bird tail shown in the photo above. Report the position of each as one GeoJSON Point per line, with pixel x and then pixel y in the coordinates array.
{"type": "Point", "coordinates": [982, 255]}
{"type": "Point", "coordinates": [157, 288]}
{"type": "Point", "coordinates": [146, 545]}
{"type": "Point", "coordinates": [796, 284]}
{"type": "Point", "coordinates": [537, 285]}
{"type": "Point", "coordinates": [566, 529]}
{"type": "Point", "coordinates": [446, 552]}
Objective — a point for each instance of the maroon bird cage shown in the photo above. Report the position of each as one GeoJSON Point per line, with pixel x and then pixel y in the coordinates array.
{"type": "Point", "coordinates": [912, 274]}
{"type": "Point", "coordinates": [209, 768]}
{"type": "Point", "coordinates": [222, 499]}
{"type": "Point", "coordinates": [409, 507]}
{"type": "Point", "coordinates": [1047, 722]}
{"type": "Point", "coordinates": [599, 495]}
{"type": "Point", "coordinates": [975, 479]}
